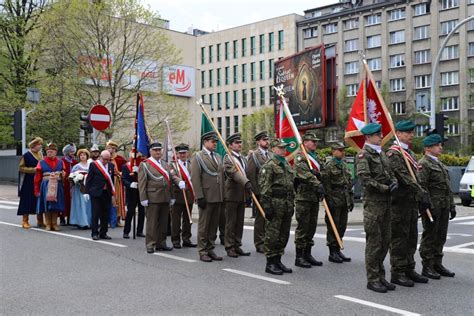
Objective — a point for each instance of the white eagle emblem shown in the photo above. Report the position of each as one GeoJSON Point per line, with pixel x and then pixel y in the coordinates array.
{"type": "Point", "coordinates": [373, 113]}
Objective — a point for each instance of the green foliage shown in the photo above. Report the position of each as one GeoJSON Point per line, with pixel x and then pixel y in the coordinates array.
{"type": "Point", "coordinates": [260, 120]}
{"type": "Point", "coordinates": [325, 152]}
{"type": "Point", "coordinates": [451, 160]}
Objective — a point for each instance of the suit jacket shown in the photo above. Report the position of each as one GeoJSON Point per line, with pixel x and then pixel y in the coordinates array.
{"type": "Point", "coordinates": [255, 162]}
{"type": "Point", "coordinates": [178, 194]}
{"type": "Point", "coordinates": [96, 181]}
{"type": "Point", "coordinates": [127, 179]}
{"type": "Point", "coordinates": [208, 180]}
{"type": "Point", "coordinates": [235, 180]}
{"type": "Point", "coordinates": [152, 186]}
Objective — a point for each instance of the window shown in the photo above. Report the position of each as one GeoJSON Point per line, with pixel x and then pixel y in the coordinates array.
{"type": "Point", "coordinates": [397, 84]}
{"type": "Point", "coordinates": [219, 124]}
{"type": "Point", "coordinates": [350, 45]}
{"type": "Point", "coordinates": [397, 61]}
{"type": "Point", "coordinates": [211, 101]}
{"type": "Point", "coordinates": [253, 97]}
{"type": "Point", "coordinates": [471, 101]}
{"type": "Point", "coordinates": [226, 50]}
{"type": "Point", "coordinates": [218, 52]}
{"type": "Point", "coordinates": [448, 26]}
{"type": "Point", "coordinates": [373, 19]}
{"type": "Point", "coordinates": [471, 49]}
{"type": "Point", "coordinates": [280, 40]}
{"type": "Point", "coordinates": [374, 41]}
{"type": "Point", "coordinates": [210, 54]}
{"type": "Point", "coordinates": [236, 99]}
{"type": "Point", "coordinates": [330, 28]}
{"type": "Point", "coordinates": [236, 49]}
{"type": "Point", "coordinates": [218, 77]}
{"type": "Point", "coordinates": [236, 123]}
{"type": "Point", "coordinates": [450, 52]}
{"type": "Point", "coordinates": [423, 81]}
{"type": "Point", "coordinates": [448, 4]}
{"type": "Point", "coordinates": [261, 40]}
{"type": "Point", "coordinates": [421, 32]}
{"type": "Point", "coordinates": [351, 24]}
{"type": "Point", "coordinates": [471, 75]}
{"type": "Point", "coordinates": [421, 9]}
{"type": "Point", "coordinates": [236, 74]}
{"type": "Point", "coordinates": [331, 135]}
{"type": "Point", "coordinates": [203, 79]}
{"type": "Point", "coordinates": [270, 68]}
{"type": "Point", "coordinates": [244, 98]}
{"type": "Point", "coordinates": [420, 130]}
{"type": "Point", "coordinates": [227, 126]}
{"type": "Point", "coordinates": [453, 129]}
{"type": "Point", "coordinates": [203, 98]}
{"type": "Point", "coordinates": [422, 101]}
{"type": "Point", "coordinates": [422, 56]}
{"type": "Point", "coordinates": [252, 45]}
{"type": "Point", "coordinates": [271, 93]}
{"type": "Point", "coordinates": [450, 103]}
{"type": "Point", "coordinates": [244, 72]}
{"type": "Point", "coordinates": [399, 108]}
{"type": "Point", "coordinates": [227, 100]}
{"type": "Point", "coordinates": [262, 96]}
{"type": "Point", "coordinates": [271, 40]}
{"type": "Point", "coordinates": [253, 71]}
{"type": "Point", "coordinates": [470, 25]}
{"type": "Point", "coordinates": [203, 57]}
{"type": "Point", "coordinates": [397, 14]}
{"type": "Point", "coordinates": [397, 37]}
{"type": "Point", "coordinates": [351, 68]}
{"type": "Point", "coordinates": [244, 47]}
{"type": "Point", "coordinates": [374, 63]}
{"type": "Point", "coordinates": [219, 104]}
{"type": "Point", "coordinates": [449, 78]}
{"type": "Point", "coordinates": [262, 69]}
{"type": "Point", "coordinates": [226, 75]}
{"type": "Point", "coordinates": [210, 78]}
{"type": "Point", "coordinates": [310, 32]}
{"type": "Point", "coordinates": [352, 89]}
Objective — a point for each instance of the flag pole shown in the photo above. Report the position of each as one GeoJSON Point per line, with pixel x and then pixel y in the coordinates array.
{"type": "Point", "coordinates": [135, 138]}
{"type": "Point", "coordinates": [254, 198]}
{"type": "Point", "coordinates": [281, 94]}
{"type": "Point", "coordinates": [382, 102]}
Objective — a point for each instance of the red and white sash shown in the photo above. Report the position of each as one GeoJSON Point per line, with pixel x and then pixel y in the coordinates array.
{"type": "Point", "coordinates": [314, 163]}
{"type": "Point", "coordinates": [414, 163]}
{"type": "Point", "coordinates": [186, 177]}
{"type": "Point", "coordinates": [158, 167]}
{"type": "Point", "coordinates": [104, 172]}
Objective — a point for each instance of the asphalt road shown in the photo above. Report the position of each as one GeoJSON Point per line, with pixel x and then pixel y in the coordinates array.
{"type": "Point", "coordinates": [67, 273]}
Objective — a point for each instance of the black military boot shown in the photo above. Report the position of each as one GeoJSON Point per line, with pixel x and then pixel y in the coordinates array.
{"type": "Point", "coordinates": [300, 260]}
{"type": "Point", "coordinates": [388, 285]}
{"type": "Point", "coordinates": [402, 280]}
{"type": "Point", "coordinates": [416, 277]}
{"type": "Point", "coordinates": [443, 271]}
{"type": "Point", "coordinates": [272, 267]}
{"type": "Point", "coordinates": [342, 256]}
{"type": "Point", "coordinates": [280, 265]}
{"type": "Point", "coordinates": [333, 256]}
{"type": "Point", "coordinates": [377, 286]}
{"type": "Point", "coordinates": [429, 272]}
{"type": "Point", "coordinates": [309, 258]}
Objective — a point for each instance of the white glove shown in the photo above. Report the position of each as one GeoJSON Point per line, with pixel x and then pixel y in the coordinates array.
{"type": "Point", "coordinates": [182, 185]}
{"type": "Point", "coordinates": [134, 185]}
{"type": "Point", "coordinates": [135, 169]}
{"type": "Point", "coordinates": [172, 201]}
{"type": "Point", "coordinates": [144, 203]}
{"type": "Point", "coordinates": [79, 177]}
{"type": "Point", "coordinates": [87, 197]}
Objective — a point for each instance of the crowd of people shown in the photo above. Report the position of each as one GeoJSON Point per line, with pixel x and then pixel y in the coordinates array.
{"type": "Point", "coordinates": [94, 189]}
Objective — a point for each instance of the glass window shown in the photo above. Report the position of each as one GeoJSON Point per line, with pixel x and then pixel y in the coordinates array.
{"type": "Point", "coordinates": [471, 75]}
{"type": "Point", "coordinates": [253, 71]}
{"type": "Point", "coordinates": [236, 99]}
{"type": "Point", "coordinates": [244, 47]}
{"type": "Point", "coordinates": [262, 96]}
{"type": "Point", "coordinates": [397, 84]}
{"type": "Point", "coordinates": [262, 69]}
{"type": "Point", "coordinates": [470, 25]}
{"type": "Point", "coordinates": [450, 52]}
{"type": "Point", "coordinates": [310, 32]}
{"type": "Point", "coordinates": [227, 126]}
{"type": "Point", "coordinates": [423, 81]}
{"type": "Point", "coordinates": [226, 50]}
{"type": "Point", "coordinates": [203, 98]}
{"type": "Point", "coordinates": [397, 37]}
{"type": "Point", "coordinates": [218, 77]}
{"type": "Point", "coordinates": [351, 24]}
{"type": "Point", "coordinates": [219, 104]}
{"type": "Point", "coordinates": [211, 101]}
{"type": "Point", "coordinates": [218, 52]}
{"type": "Point", "coordinates": [271, 93]}
{"type": "Point", "coordinates": [210, 54]}
{"type": "Point", "coordinates": [203, 57]}
{"type": "Point", "coordinates": [351, 45]}
{"type": "Point", "coordinates": [244, 72]}
{"type": "Point", "coordinates": [450, 103]}
{"type": "Point", "coordinates": [373, 19]}
{"type": "Point", "coordinates": [270, 68]}
{"type": "Point", "coordinates": [210, 78]}
{"type": "Point", "coordinates": [374, 41]}
{"type": "Point", "coordinates": [374, 63]}
{"type": "Point", "coordinates": [471, 49]}
{"type": "Point", "coordinates": [330, 28]}
{"type": "Point", "coordinates": [227, 100]}
{"type": "Point", "coordinates": [219, 125]}
{"type": "Point", "coordinates": [352, 89]}
{"type": "Point", "coordinates": [422, 56]}
{"type": "Point", "coordinates": [448, 4]}
{"type": "Point", "coordinates": [280, 40]}
{"type": "Point", "coordinates": [203, 79]}
{"type": "Point", "coordinates": [421, 9]}
{"type": "Point", "coordinates": [351, 68]}
{"type": "Point", "coordinates": [422, 101]}
{"type": "Point", "coordinates": [261, 40]}
{"type": "Point", "coordinates": [397, 14]}
{"type": "Point", "coordinates": [253, 96]}
{"type": "Point", "coordinates": [252, 45]}
{"type": "Point", "coordinates": [244, 98]}
{"type": "Point", "coordinates": [226, 74]}
{"type": "Point", "coordinates": [399, 108]}
{"type": "Point", "coordinates": [236, 49]}
{"type": "Point", "coordinates": [453, 129]}
{"type": "Point", "coordinates": [236, 123]}
{"type": "Point", "coordinates": [397, 61]}
{"type": "Point", "coordinates": [271, 41]}
{"type": "Point", "coordinates": [236, 74]}
{"type": "Point", "coordinates": [449, 78]}
{"type": "Point", "coordinates": [448, 26]}
{"type": "Point", "coordinates": [421, 32]}
{"type": "Point", "coordinates": [420, 130]}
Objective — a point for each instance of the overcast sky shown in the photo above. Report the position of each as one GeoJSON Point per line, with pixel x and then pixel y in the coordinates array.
{"type": "Point", "coordinates": [214, 15]}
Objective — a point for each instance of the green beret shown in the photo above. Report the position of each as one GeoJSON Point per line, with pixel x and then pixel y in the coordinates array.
{"type": "Point", "coordinates": [233, 137]}
{"type": "Point", "coordinates": [405, 126]}
{"type": "Point", "coordinates": [310, 136]}
{"type": "Point", "coordinates": [278, 142]}
{"type": "Point", "coordinates": [371, 128]}
{"type": "Point", "coordinates": [431, 140]}
{"type": "Point", "coordinates": [338, 145]}
{"type": "Point", "coordinates": [260, 135]}
{"type": "Point", "coordinates": [209, 135]}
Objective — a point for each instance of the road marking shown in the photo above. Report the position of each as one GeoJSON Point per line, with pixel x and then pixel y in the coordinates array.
{"type": "Point", "coordinates": [8, 207]}
{"type": "Point", "coordinates": [466, 223]}
{"type": "Point", "coordinates": [375, 305]}
{"type": "Point", "coordinates": [459, 250]}
{"type": "Point", "coordinates": [69, 235]}
{"type": "Point", "coordinates": [173, 257]}
{"type": "Point", "coordinates": [464, 218]}
{"type": "Point", "coordinates": [256, 276]}
{"type": "Point", "coordinates": [463, 245]}
{"type": "Point", "coordinates": [9, 202]}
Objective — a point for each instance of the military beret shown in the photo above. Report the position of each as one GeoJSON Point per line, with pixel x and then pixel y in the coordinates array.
{"type": "Point", "coordinates": [51, 146]}
{"type": "Point", "coordinates": [338, 145]}
{"type": "Point", "coordinates": [111, 143]}
{"type": "Point", "coordinates": [371, 128]}
{"type": "Point", "coordinates": [405, 126]}
{"type": "Point", "coordinates": [209, 135]}
{"type": "Point", "coordinates": [310, 136]}
{"type": "Point", "coordinates": [278, 142]}
{"type": "Point", "coordinates": [156, 145]}
{"type": "Point", "coordinates": [94, 148]}
{"type": "Point", "coordinates": [261, 135]}
{"type": "Point", "coordinates": [35, 141]}
{"type": "Point", "coordinates": [233, 137]}
{"type": "Point", "coordinates": [431, 140]}
{"type": "Point", "coordinates": [181, 148]}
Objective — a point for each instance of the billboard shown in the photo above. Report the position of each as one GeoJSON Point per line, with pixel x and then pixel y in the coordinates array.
{"type": "Point", "coordinates": [179, 80]}
{"type": "Point", "coordinates": [303, 77]}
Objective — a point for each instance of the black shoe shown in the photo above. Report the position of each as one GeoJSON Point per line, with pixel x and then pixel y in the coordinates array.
{"type": "Point", "coordinates": [343, 257]}
{"type": "Point", "coordinates": [105, 237]}
{"type": "Point", "coordinates": [416, 277]}
{"type": "Point", "coordinates": [62, 221]}
{"type": "Point", "coordinates": [150, 250]}
{"type": "Point", "coordinates": [205, 258]}
{"type": "Point", "coordinates": [443, 271]}
{"type": "Point", "coordinates": [259, 249]}
{"type": "Point", "coordinates": [310, 259]}
{"type": "Point", "coordinates": [164, 248]}
{"type": "Point", "coordinates": [300, 261]}
{"type": "Point", "coordinates": [388, 285]}
{"type": "Point", "coordinates": [429, 272]}
{"type": "Point", "coordinates": [126, 236]}
{"type": "Point", "coordinates": [189, 244]}
{"type": "Point", "coordinates": [283, 268]}
{"type": "Point", "coordinates": [402, 280]}
{"type": "Point", "coordinates": [95, 237]}
{"type": "Point", "coordinates": [377, 286]}
{"type": "Point", "coordinates": [272, 267]}
{"type": "Point", "coordinates": [333, 255]}
{"type": "Point", "coordinates": [140, 235]}
{"type": "Point", "coordinates": [222, 242]}
{"type": "Point", "coordinates": [177, 245]}
{"type": "Point", "coordinates": [240, 252]}
{"type": "Point", "coordinates": [213, 256]}
{"type": "Point", "coordinates": [231, 253]}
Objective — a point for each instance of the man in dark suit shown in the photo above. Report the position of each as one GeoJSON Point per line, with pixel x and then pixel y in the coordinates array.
{"type": "Point", "coordinates": [100, 188]}
{"type": "Point", "coordinates": [130, 181]}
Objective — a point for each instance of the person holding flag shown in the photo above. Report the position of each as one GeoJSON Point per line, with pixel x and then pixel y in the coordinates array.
{"type": "Point", "coordinates": [132, 197]}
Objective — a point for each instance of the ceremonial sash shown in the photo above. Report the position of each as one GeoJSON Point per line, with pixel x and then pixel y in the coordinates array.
{"type": "Point", "coordinates": [186, 177]}
{"type": "Point", "coordinates": [314, 163]}
{"type": "Point", "coordinates": [414, 163]}
{"type": "Point", "coordinates": [104, 172]}
{"type": "Point", "coordinates": [160, 169]}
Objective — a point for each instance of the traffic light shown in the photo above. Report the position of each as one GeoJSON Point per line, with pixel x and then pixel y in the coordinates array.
{"type": "Point", "coordinates": [439, 125]}
{"type": "Point", "coordinates": [17, 125]}
{"type": "Point", "coordinates": [85, 124]}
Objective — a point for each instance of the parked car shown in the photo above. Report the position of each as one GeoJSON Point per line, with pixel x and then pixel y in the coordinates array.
{"type": "Point", "coordinates": [466, 184]}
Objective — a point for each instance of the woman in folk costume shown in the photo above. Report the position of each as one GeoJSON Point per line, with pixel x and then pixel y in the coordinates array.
{"type": "Point", "coordinates": [27, 169]}
{"type": "Point", "coordinates": [118, 201]}
{"type": "Point", "coordinates": [68, 162]}
{"type": "Point", "coordinates": [80, 207]}
{"type": "Point", "coordinates": [49, 187]}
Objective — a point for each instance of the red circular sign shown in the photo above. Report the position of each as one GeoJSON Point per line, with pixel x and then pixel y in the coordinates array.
{"type": "Point", "coordinates": [99, 117]}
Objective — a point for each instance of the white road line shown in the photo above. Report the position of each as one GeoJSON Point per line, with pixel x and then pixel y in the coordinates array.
{"type": "Point", "coordinates": [9, 202]}
{"type": "Point", "coordinates": [466, 223]}
{"type": "Point", "coordinates": [173, 257]}
{"type": "Point", "coordinates": [375, 305]}
{"type": "Point", "coordinates": [8, 207]}
{"type": "Point", "coordinates": [70, 236]}
{"type": "Point", "coordinates": [459, 250]}
{"type": "Point", "coordinates": [464, 218]}
{"type": "Point", "coordinates": [256, 276]}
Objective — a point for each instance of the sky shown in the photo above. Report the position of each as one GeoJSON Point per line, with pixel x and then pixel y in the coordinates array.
{"type": "Point", "coordinates": [215, 15]}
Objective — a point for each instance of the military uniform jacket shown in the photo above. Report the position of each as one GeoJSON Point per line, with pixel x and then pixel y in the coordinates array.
{"type": "Point", "coordinates": [374, 173]}
{"type": "Point", "coordinates": [207, 177]}
{"type": "Point", "coordinates": [255, 162]}
{"type": "Point", "coordinates": [234, 179]}
{"type": "Point", "coordinates": [337, 182]}
{"type": "Point", "coordinates": [276, 181]}
{"type": "Point", "coordinates": [434, 178]}
{"type": "Point", "coordinates": [177, 192]}
{"type": "Point", "coordinates": [152, 185]}
{"type": "Point", "coordinates": [307, 182]}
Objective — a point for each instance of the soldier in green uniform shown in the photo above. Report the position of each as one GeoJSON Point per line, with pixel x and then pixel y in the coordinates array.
{"type": "Point", "coordinates": [276, 185]}
{"type": "Point", "coordinates": [378, 183]}
{"type": "Point", "coordinates": [405, 202]}
{"type": "Point", "coordinates": [337, 182]}
{"type": "Point", "coordinates": [434, 178]}
{"type": "Point", "coordinates": [309, 192]}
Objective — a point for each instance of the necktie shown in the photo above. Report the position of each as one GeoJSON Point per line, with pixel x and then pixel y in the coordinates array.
{"type": "Point", "coordinates": [213, 157]}
{"type": "Point", "coordinates": [241, 162]}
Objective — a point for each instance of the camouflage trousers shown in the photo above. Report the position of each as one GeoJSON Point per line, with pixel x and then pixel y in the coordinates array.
{"type": "Point", "coordinates": [377, 236]}
{"type": "Point", "coordinates": [307, 219]}
{"type": "Point", "coordinates": [339, 215]}
{"type": "Point", "coordinates": [258, 229]}
{"type": "Point", "coordinates": [434, 237]}
{"type": "Point", "coordinates": [404, 225]}
{"type": "Point", "coordinates": [277, 231]}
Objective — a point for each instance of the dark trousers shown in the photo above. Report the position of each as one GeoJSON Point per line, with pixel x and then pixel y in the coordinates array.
{"type": "Point", "coordinates": [434, 237]}
{"type": "Point", "coordinates": [207, 227]}
{"type": "Point", "coordinates": [234, 228]}
{"type": "Point", "coordinates": [156, 224]}
{"type": "Point", "coordinates": [133, 201]}
{"type": "Point", "coordinates": [222, 223]}
{"type": "Point", "coordinates": [339, 216]}
{"type": "Point", "coordinates": [100, 212]}
{"type": "Point", "coordinates": [180, 224]}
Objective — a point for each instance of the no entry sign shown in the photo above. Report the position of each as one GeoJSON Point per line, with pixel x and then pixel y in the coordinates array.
{"type": "Point", "coordinates": [100, 117]}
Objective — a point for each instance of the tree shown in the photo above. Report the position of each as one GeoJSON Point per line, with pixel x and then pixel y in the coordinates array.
{"type": "Point", "coordinates": [344, 105]}
{"type": "Point", "coordinates": [260, 120]}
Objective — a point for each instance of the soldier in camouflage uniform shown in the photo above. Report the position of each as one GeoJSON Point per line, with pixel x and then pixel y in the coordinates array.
{"type": "Point", "coordinates": [434, 178]}
{"type": "Point", "coordinates": [405, 202]}
{"type": "Point", "coordinates": [378, 183]}
{"type": "Point", "coordinates": [337, 181]}
{"type": "Point", "coordinates": [309, 192]}
{"type": "Point", "coordinates": [276, 185]}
